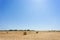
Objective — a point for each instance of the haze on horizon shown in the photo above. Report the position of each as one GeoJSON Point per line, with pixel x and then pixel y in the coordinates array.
{"type": "Point", "coordinates": [30, 14]}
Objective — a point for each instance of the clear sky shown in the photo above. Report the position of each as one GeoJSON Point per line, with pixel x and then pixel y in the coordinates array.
{"type": "Point", "coordinates": [30, 14]}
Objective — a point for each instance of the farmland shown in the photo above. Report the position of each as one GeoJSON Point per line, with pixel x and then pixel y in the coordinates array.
{"type": "Point", "coordinates": [29, 35]}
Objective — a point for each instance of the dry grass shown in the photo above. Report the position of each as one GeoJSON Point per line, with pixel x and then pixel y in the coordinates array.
{"type": "Point", "coordinates": [31, 35]}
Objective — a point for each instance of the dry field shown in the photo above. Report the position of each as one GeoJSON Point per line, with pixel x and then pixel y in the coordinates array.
{"type": "Point", "coordinates": [31, 35]}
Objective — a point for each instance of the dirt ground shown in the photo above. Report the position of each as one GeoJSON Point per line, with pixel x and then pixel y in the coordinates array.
{"type": "Point", "coordinates": [31, 35]}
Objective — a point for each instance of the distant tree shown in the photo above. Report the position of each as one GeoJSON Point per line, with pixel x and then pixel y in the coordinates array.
{"type": "Point", "coordinates": [28, 30]}
{"type": "Point", "coordinates": [15, 30]}
{"type": "Point", "coordinates": [10, 30]}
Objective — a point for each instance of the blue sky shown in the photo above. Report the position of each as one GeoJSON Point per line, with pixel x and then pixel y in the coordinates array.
{"type": "Point", "coordinates": [30, 14]}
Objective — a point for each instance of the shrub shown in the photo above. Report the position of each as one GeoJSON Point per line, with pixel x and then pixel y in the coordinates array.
{"type": "Point", "coordinates": [36, 32]}
{"type": "Point", "coordinates": [25, 33]}
{"type": "Point", "coordinates": [6, 32]}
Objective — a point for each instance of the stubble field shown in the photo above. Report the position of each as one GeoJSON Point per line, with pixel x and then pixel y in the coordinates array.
{"type": "Point", "coordinates": [30, 35]}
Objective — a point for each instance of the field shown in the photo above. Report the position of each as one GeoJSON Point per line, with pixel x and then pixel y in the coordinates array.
{"type": "Point", "coordinates": [30, 35]}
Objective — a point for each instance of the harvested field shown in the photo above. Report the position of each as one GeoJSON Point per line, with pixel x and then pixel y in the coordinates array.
{"type": "Point", "coordinates": [30, 35]}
